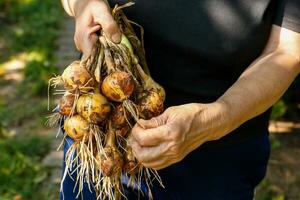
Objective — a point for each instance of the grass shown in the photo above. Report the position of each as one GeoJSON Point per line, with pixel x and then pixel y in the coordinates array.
{"type": "Point", "coordinates": [21, 172]}
{"type": "Point", "coordinates": [30, 28]}
{"type": "Point", "coordinates": [27, 35]}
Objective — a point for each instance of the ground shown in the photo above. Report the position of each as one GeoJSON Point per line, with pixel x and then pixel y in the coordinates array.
{"type": "Point", "coordinates": [283, 176]}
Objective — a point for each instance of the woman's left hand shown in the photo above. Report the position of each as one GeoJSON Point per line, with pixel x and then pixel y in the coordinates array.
{"type": "Point", "coordinates": [168, 138]}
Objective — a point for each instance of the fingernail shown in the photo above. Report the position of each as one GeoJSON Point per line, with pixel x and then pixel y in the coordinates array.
{"type": "Point", "coordinates": [116, 38]}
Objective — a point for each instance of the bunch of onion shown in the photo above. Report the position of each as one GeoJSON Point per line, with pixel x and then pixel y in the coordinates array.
{"type": "Point", "coordinates": [93, 107]}
{"type": "Point", "coordinates": [119, 84]}
{"type": "Point", "coordinates": [104, 95]}
{"type": "Point", "coordinates": [76, 80]}
{"type": "Point", "coordinates": [132, 168]}
{"type": "Point", "coordinates": [110, 163]}
{"type": "Point", "coordinates": [151, 97]}
{"type": "Point", "coordinates": [121, 120]}
{"type": "Point", "coordinates": [93, 110]}
{"type": "Point", "coordinates": [79, 157]}
{"type": "Point", "coordinates": [65, 108]}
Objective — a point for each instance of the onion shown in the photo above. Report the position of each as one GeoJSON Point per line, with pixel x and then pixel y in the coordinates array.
{"type": "Point", "coordinates": [93, 107]}
{"type": "Point", "coordinates": [120, 120]}
{"type": "Point", "coordinates": [118, 86]}
{"type": "Point", "coordinates": [122, 130]}
{"type": "Point", "coordinates": [111, 160]}
{"type": "Point", "coordinates": [150, 104]}
{"type": "Point", "coordinates": [76, 127]}
{"type": "Point", "coordinates": [119, 116]}
{"type": "Point", "coordinates": [131, 166]}
{"type": "Point", "coordinates": [76, 76]}
{"type": "Point", "coordinates": [66, 104]}
{"type": "Point", "coordinates": [126, 42]}
{"type": "Point", "coordinates": [152, 96]}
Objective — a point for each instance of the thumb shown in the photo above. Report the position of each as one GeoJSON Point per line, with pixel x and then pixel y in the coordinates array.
{"type": "Point", "coordinates": [103, 17]}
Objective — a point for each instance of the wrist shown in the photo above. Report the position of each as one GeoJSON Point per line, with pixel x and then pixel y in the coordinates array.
{"type": "Point", "coordinates": [225, 116]}
{"type": "Point", "coordinates": [214, 120]}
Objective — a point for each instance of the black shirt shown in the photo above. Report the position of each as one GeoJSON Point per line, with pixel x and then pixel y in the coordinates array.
{"type": "Point", "coordinates": [198, 48]}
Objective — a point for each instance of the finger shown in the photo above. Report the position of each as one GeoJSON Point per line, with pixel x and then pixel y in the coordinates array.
{"type": "Point", "coordinates": [94, 29]}
{"type": "Point", "coordinates": [87, 44]}
{"type": "Point", "coordinates": [103, 17]}
{"type": "Point", "coordinates": [147, 154]}
{"type": "Point", "coordinates": [153, 122]}
{"type": "Point", "coordinates": [154, 133]}
{"type": "Point", "coordinates": [84, 40]}
{"type": "Point", "coordinates": [149, 137]}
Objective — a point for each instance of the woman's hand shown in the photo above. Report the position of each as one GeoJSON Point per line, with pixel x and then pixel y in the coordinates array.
{"type": "Point", "coordinates": [168, 138]}
{"type": "Point", "coordinates": [91, 16]}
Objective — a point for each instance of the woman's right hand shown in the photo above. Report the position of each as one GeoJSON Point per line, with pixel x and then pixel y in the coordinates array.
{"type": "Point", "coordinates": [91, 16]}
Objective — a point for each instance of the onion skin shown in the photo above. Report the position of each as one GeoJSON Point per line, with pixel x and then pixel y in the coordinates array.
{"type": "Point", "coordinates": [76, 127]}
{"type": "Point", "coordinates": [118, 120]}
{"type": "Point", "coordinates": [151, 103]}
{"type": "Point", "coordinates": [126, 43]}
{"type": "Point", "coordinates": [66, 104]}
{"type": "Point", "coordinates": [76, 76]}
{"type": "Point", "coordinates": [131, 166]}
{"type": "Point", "coordinates": [122, 130]}
{"type": "Point", "coordinates": [119, 115]}
{"type": "Point", "coordinates": [93, 107]}
{"type": "Point", "coordinates": [111, 161]}
{"type": "Point", "coordinates": [118, 86]}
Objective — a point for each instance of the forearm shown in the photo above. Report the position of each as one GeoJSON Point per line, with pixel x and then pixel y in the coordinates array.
{"type": "Point", "coordinates": [259, 87]}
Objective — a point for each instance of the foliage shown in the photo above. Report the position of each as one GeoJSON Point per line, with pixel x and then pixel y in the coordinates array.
{"type": "Point", "coordinates": [28, 32]}
{"type": "Point", "coordinates": [288, 107]}
{"type": "Point", "coordinates": [31, 26]}
{"type": "Point", "coordinates": [269, 192]}
{"type": "Point", "coordinates": [37, 74]}
{"type": "Point", "coordinates": [279, 109]}
{"type": "Point", "coordinates": [20, 170]}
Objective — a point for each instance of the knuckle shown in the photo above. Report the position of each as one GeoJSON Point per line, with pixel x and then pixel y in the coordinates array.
{"type": "Point", "coordinates": [142, 141]}
{"type": "Point", "coordinates": [139, 138]}
{"type": "Point", "coordinates": [110, 26]}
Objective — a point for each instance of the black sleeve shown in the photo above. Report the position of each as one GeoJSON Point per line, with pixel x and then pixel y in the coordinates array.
{"type": "Point", "coordinates": [288, 15]}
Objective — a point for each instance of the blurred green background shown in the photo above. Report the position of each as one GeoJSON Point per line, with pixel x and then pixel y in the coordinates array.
{"type": "Point", "coordinates": [30, 33]}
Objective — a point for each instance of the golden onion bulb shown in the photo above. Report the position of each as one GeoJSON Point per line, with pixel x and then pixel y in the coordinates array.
{"type": "Point", "coordinates": [66, 104]}
{"type": "Point", "coordinates": [118, 86]}
{"type": "Point", "coordinates": [93, 107]}
{"type": "Point", "coordinates": [77, 76]}
{"type": "Point", "coordinates": [76, 127]}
